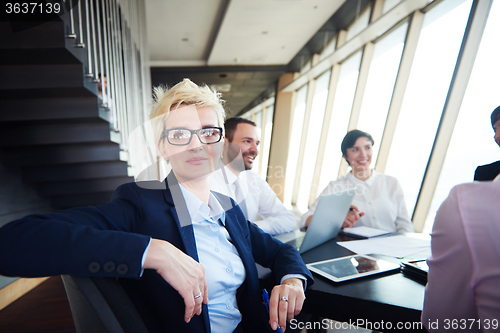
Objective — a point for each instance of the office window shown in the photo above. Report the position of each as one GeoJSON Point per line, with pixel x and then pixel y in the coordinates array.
{"type": "Point", "coordinates": [306, 67]}
{"type": "Point", "coordinates": [360, 23]}
{"type": "Point", "coordinates": [313, 136]}
{"type": "Point", "coordinates": [342, 105]}
{"type": "Point", "coordinates": [295, 139]}
{"type": "Point", "coordinates": [380, 85]}
{"type": "Point", "coordinates": [328, 49]}
{"type": "Point", "coordinates": [430, 77]}
{"type": "Point", "coordinates": [389, 4]}
{"type": "Point", "coordinates": [472, 143]}
{"type": "Point", "coordinates": [266, 145]}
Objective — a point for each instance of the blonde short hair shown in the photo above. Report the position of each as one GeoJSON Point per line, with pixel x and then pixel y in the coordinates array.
{"type": "Point", "coordinates": [183, 93]}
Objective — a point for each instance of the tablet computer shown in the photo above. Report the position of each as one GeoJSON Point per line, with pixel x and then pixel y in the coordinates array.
{"type": "Point", "coordinates": [416, 268]}
{"type": "Point", "coordinates": [351, 267]}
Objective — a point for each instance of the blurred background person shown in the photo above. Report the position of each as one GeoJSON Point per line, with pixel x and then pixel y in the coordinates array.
{"type": "Point", "coordinates": [379, 200]}
{"type": "Point", "coordinates": [256, 198]}
{"type": "Point", "coordinates": [490, 171]}
{"type": "Point", "coordinates": [464, 272]}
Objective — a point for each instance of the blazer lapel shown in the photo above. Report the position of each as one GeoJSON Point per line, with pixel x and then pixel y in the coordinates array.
{"type": "Point", "coordinates": [234, 229]}
{"type": "Point", "coordinates": [174, 198]}
{"type": "Point", "coordinates": [178, 209]}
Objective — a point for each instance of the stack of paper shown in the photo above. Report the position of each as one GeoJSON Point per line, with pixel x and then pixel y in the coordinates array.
{"type": "Point", "coordinates": [365, 232]}
{"type": "Point", "coordinates": [394, 246]}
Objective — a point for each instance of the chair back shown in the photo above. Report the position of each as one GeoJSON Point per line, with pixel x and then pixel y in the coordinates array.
{"type": "Point", "coordinates": [101, 305]}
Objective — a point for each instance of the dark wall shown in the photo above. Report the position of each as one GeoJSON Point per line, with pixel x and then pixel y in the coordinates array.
{"type": "Point", "coordinates": [17, 199]}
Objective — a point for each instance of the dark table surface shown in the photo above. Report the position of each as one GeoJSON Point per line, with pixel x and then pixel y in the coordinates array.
{"type": "Point", "coordinates": [388, 301]}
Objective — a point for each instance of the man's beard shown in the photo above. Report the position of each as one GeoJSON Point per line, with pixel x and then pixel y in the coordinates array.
{"type": "Point", "coordinates": [245, 164]}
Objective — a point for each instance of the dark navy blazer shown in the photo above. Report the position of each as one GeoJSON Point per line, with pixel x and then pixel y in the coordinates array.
{"type": "Point", "coordinates": [488, 171]}
{"type": "Point", "coordinates": [109, 240]}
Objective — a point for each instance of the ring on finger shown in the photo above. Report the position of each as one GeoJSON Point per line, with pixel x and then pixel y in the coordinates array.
{"type": "Point", "coordinates": [198, 296]}
{"type": "Point", "coordinates": [284, 298]}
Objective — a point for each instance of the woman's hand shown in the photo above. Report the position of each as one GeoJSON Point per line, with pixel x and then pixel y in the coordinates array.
{"type": "Point", "coordinates": [281, 310]}
{"type": "Point", "coordinates": [182, 272]}
{"type": "Point", "coordinates": [352, 216]}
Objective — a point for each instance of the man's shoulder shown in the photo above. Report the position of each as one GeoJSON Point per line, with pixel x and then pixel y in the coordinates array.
{"type": "Point", "coordinates": [476, 189]}
{"type": "Point", "coordinates": [254, 180]}
{"type": "Point", "coordinates": [252, 175]}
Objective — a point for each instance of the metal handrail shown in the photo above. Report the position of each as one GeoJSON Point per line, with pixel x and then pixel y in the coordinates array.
{"type": "Point", "coordinates": [113, 62]}
{"type": "Point", "coordinates": [80, 43]}
{"type": "Point", "coordinates": [99, 46]}
{"type": "Point", "coordinates": [94, 44]}
{"type": "Point", "coordinates": [89, 73]}
{"type": "Point", "coordinates": [106, 93]}
{"type": "Point", "coordinates": [112, 50]}
{"type": "Point", "coordinates": [72, 34]}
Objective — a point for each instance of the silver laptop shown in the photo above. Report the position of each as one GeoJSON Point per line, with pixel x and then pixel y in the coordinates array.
{"type": "Point", "coordinates": [326, 221]}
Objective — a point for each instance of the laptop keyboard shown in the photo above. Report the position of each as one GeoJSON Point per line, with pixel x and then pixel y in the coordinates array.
{"type": "Point", "coordinates": [297, 242]}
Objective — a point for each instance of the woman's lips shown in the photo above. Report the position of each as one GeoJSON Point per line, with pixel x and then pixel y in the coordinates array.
{"type": "Point", "coordinates": [197, 160]}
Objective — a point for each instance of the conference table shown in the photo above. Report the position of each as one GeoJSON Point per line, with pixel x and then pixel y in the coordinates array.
{"type": "Point", "coordinates": [384, 302]}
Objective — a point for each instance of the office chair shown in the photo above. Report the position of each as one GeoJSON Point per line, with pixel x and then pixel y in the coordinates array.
{"type": "Point", "coordinates": [101, 305]}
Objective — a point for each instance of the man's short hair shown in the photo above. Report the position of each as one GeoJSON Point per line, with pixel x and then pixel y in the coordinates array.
{"type": "Point", "coordinates": [495, 115]}
{"type": "Point", "coordinates": [231, 124]}
{"type": "Point", "coordinates": [183, 93]}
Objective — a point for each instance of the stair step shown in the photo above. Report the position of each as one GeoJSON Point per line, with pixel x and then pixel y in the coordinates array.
{"type": "Point", "coordinates": [80, 200]}
{"type": "Point", "coordinates": [50, 173]}
{"type": "Point", "coordinates": [47, 92]}
{"type": "Point", "coordinates": [82, 186]}
{"type": "Point", "coordinates": [45, 81]}
{"type": "Point", "coordinates": [47, 109]}
{"type": "Point", "coordinates": [61, 154]}
{"type": "Point", "coordinates": [15, 135]}
{"type": "Point", "coordinates": [45, 43]}
{"type": "Point", "coordinates": [43, 56]}
{"type": "Point", "coordinates": [47, 35]}
{"type": "Point", "coordinates": [41, 76]}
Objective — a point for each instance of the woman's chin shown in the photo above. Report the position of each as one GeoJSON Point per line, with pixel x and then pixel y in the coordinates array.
{"type": "Point", "coordinates": [193, 172]}
{"type": "Point", "coordinates": [361, 168]}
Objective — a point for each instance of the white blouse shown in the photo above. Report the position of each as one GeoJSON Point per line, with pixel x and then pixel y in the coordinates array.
{"type": "Point", "coordinates": [380, 197]}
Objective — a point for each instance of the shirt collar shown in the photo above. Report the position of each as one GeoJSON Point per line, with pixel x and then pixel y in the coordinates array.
{"type": "Point", "coordinates": [198, 211]}
{"type": "Point", "coordinates": [231, 177]}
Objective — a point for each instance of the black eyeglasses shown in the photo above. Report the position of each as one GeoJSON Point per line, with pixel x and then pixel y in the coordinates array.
{"type": "Point", "coordinates": [183, 136]}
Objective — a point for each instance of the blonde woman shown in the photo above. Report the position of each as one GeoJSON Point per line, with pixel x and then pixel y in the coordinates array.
{"type": "Point", "coordinates": [181, 251]}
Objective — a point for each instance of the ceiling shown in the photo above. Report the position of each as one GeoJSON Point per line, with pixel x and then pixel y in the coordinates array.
{"type": "Point", "coordinates": [242, 46]}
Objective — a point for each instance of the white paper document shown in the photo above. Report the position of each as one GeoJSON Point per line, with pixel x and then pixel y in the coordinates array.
{"type": "Point", "coordinates": [394, 246]}
{"type": "Point", "coordinates": [365, 232]}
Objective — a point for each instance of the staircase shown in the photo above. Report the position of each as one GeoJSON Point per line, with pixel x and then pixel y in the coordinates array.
{"type": "Point", "coordinates": [52, 128]}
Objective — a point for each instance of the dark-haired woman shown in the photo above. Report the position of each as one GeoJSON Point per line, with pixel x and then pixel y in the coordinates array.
{"type": "Point", "coordinates": [379, 200]}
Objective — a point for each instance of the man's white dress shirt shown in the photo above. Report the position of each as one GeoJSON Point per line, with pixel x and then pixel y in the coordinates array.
{"type": "Point", "coordinates": [257, 200]}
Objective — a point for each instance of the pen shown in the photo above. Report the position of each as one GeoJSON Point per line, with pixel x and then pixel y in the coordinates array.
{"type": "Point", "coordinates": [265, 297]}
